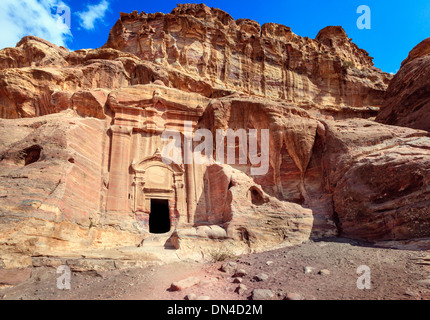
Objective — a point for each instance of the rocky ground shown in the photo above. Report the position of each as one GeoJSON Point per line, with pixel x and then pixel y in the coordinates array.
{"type": "Point", "coordinates": [325, 270]}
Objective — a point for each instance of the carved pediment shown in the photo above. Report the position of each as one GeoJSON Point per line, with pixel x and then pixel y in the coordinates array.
{"type": "Point", "coordinates": [154, 177]}
{"type": "Point", "coordinates": [157, 160]}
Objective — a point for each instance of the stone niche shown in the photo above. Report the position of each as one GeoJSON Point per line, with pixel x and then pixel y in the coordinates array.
{"type": "Point", "coordinates": [154, 180]}
{"type": "Point", "coordinates": [160, 197]}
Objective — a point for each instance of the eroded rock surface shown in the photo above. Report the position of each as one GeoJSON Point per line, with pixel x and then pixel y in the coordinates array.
{"type": "Point", "coordinates": [268, 60]}
{"type": "Point", "coordinates": [407, 101]}
{"type": "Point", "coordinates": [81, 163]}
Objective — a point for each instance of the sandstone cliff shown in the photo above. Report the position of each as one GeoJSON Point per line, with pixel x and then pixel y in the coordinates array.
{"type": "Point", "coordinates": [407, 101]}
{"type": "Point", "coordinates": [268, 60]}
{"type": "Point", "coordinates": [202, 50]}
{"type": "Point", "coordinates": [81, 132]}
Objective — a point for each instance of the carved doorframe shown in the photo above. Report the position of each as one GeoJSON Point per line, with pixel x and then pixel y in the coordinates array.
{"type": "Point", "coordinates": [143, 192]}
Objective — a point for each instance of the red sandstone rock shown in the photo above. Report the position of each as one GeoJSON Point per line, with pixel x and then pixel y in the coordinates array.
{"type": "Point", "coordinates": [268, 60]}
{"type": "Point", "coordinates": [379, 179]}
{"type": "Point", "coordinates": [82, 172]}
{"type": "Point", "coordinates": [184, 284]}
{"type": "Point", "coordinates": [33, 52]}
{"type": "Point", "coordinates": [90, 103]}
{"type": "Point", "coordinates": [407, 101]}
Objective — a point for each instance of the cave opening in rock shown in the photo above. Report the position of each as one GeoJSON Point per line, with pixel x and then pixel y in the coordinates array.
{"type": "Point", "coordinates": [31, 154]}
{"type": "Point", "coordinates": [256, 196]}
{"type": "Point", "coordinates": [159, 218]}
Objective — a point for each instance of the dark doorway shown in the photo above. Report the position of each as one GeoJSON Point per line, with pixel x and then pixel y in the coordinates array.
{"type": "Point", "coordinates": [159, 219]}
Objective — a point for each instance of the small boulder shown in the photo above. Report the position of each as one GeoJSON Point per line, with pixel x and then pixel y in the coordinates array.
{"type": "Point", "coordinates": [293, 297]}
{"type": "Point", "coordinates": [238, 280]}
{"type": "Point", "coordinates": [191, 297]}
{"type": "Point", "coordinates": [309, 270]}
{"type": "Point", "coordinates": [240, 273]}
{"type": "Point", "coordinates": [262, 294]}
{"type": "Point", "coordinates": [184, 284]}
{"type": "Point", "coordinates": [261, 277]}
{"type": "Point", "coordinates": [324, 272]}
{"type": "Point", "coordinates": [229, 267]}
{"type": "Point", "coordinates": [241, 289]}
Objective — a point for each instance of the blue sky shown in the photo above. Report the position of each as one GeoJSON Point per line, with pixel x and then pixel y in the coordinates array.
{"type": "Point", "coordinates": [396, 26]}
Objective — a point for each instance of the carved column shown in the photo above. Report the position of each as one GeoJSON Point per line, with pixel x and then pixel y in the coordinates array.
{"type": "Point", "coordinates": [117, 199]}
{"type": "Point", "coordinates": [180, 198]}
{"type": "Point", "coordinates": [189, 173]}
{"type": "Point", "coordinates": [138, 198]}
{"type": "Point", "coordinates": [191, 193]}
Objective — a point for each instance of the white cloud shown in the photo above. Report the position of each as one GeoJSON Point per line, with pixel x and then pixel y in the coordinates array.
{"type": "Point", "coordinates": [93, 13]}
{"type": "Point", "coordinates": [19, 18]}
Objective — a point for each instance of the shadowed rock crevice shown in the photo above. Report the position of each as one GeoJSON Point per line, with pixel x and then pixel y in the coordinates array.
{"type": "Point", "coordinates": [31, 155]}
{"type": "Point", "coordinates": [256, 196]}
